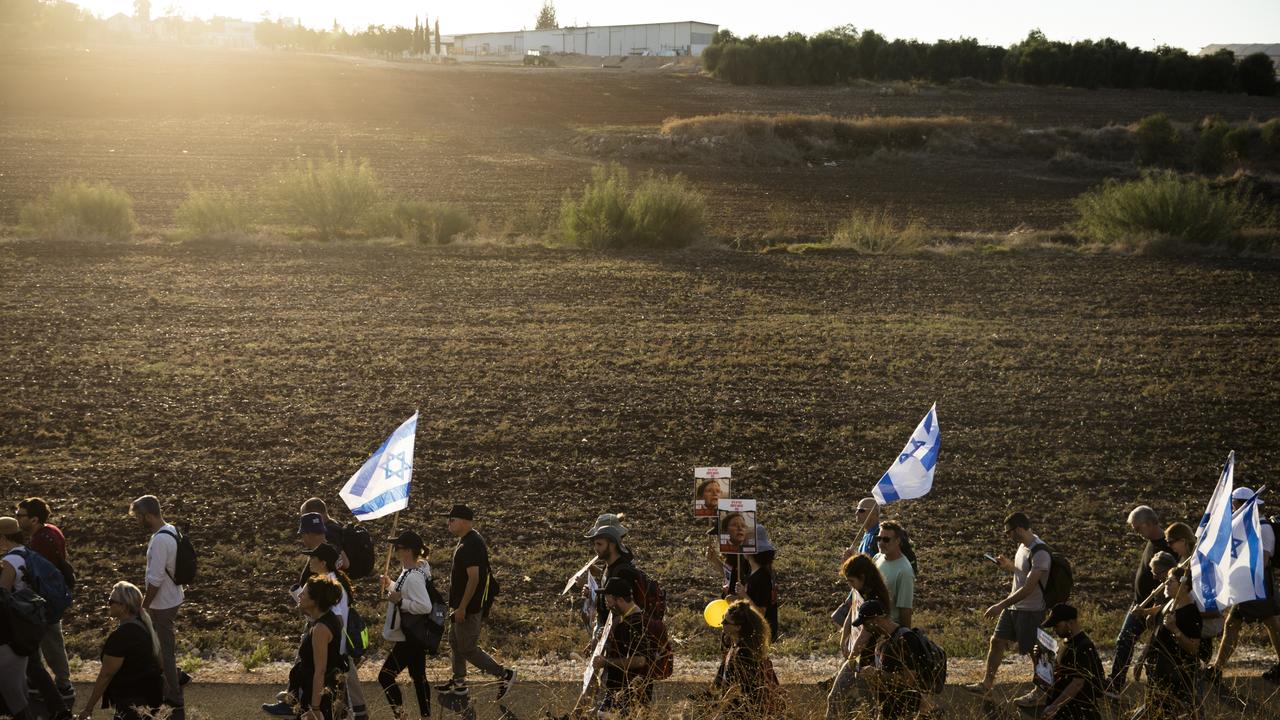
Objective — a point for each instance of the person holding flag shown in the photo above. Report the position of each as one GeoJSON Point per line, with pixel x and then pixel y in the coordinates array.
{"type": "Point", "coordinates": [1265, 608]}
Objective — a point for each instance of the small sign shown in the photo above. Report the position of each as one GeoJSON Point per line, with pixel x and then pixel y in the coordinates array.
{"type": "Point", "coordinates": [737, 526]}
{"type": "Point", "coordinates": [709, 485]}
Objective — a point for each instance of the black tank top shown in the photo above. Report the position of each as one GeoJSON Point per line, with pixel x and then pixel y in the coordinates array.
{"type": "Point", "coordinates": [334, 661]}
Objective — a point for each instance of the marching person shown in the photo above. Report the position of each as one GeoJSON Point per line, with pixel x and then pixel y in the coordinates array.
{"type": "Point", "coordinates": [323, 560]}
{"type": "Point", "coordinates": [1077, 669]}
{"type": "Point", "coordinates": [748, 687]}
{"type": "Point", "coordinates": [863, 578]}
{"type": "Point", "coordinates": [867, 515]}
{"type": "Point", "coordinates": [1181, 539]}
{"type": "Point", "coordinates": [1022, 611]}
{"type": "Point", "coordinates": [13, 667]}
{"type": "Point", "coordinates": [332, 528]}
{"type": "Point", "coordinates": [130, 677]}
{"type": "Point", "coordinates": [1146, 524]}
{"type": "Point", "coordinates": [1171, 661]}
{"type": "Point", "coordinates": [47, 539]}
{"type": "Point", "coordinates": [469, 592]}
{"type": "Point", "coordinates": [1265, 610]}
{"type": "Point", "coordinates": [313, 680]}
{"type": "Point", "coordinates": [628, 651]}
{"type": "Point", "coordinates": [163, 596]}
{"type": "Point", "coordinates": [15, 560]}
{"type": "Point", "coordinates": [895, 566]}
{"type": "Point", "coordinates": [408, 595]}
{"type": "Point", "coordinates": [619, 562]}
{"type": "Point", "coordinates": [761, 589]}
{"type": "Point", "coordinates": [893, 678]}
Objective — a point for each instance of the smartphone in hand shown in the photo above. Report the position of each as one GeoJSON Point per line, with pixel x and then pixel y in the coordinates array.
{"type": "Point", "coordinates": [993, 560]}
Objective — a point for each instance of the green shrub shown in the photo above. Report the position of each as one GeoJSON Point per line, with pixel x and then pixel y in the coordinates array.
{"type": "Point", "coordinates": [1242, 141]}
{"type": "Point", "coordinates": [667, 212]}
{"type": "Point", "coordinates": [1210, 152]}
{"type": "Point", "coordinates": [878, 233]}
{"type": "Point", "coordinates": [662, 212]}
{"type": "Point", "coordinates": [1157, 140]}
{"type": "Point", "coordinates": [331, 196]}
{"type": "Point", "coordinates": [429, 222]}
{"type": "Point", "coordinates": [80, 210]}
{"type": "Point", "coordinates": [1159, 208]}
{"type": "Point", "coordinates": [599, 218]}
{"type": "Point", "coordinates": [1270, 132]}
{"type": "Point", "coordinates": [260, 656]}
{"type": "Point", "coordinates": [215, 213]}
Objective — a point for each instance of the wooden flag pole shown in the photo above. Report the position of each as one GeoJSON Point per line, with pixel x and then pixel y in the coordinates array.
{"type": "Point", "coordinates": [386, 567]}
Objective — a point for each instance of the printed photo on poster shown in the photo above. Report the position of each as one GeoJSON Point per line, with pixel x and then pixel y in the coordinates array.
{"type": "Point", "coordinates": [710, 484]}
{"type": "Point", "coordinates": [737, 524]}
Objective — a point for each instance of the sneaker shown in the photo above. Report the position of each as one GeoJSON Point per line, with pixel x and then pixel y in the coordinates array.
{"type": "Point", "coordinates": [1033, 699]}
{"type": "Point", "coordinates": [504, 684]}
{"type": "Point", "coordinates": [282, 696]}
{"type": "Point", "coordinates": [68, 693]}
{"type": "Point", "coordinates": [281, 709]}
{"type": "Point", "coordinates": [183, 678]}
{"type": "Point", "coordinates": [453, 687]}
{"type": "Point", "coordinates": [978, 688]}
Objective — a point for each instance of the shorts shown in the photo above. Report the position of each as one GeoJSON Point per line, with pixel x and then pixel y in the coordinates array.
{"type": "Point", "coordinates": [1262, 608]}
{"type": "Point", "coordinates": [1019, 626]}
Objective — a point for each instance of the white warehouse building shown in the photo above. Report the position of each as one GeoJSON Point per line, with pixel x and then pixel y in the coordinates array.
{"type": "Point", "coordinates": [673, 38]}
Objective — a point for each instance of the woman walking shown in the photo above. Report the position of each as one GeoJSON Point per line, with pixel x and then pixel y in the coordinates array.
{"type": "Point", "coordinates": [130, 677]}
{"type": "Point", "coordinates": [408, 608]}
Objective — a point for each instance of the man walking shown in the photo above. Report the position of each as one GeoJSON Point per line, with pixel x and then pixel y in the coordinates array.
{"type": "Point", "coordinates": [606, 541]}
{"type": "Point", "coordinates": [1022, 611]}
{"type": "Point", "coordinates": [868, 517]}
{"type": "Point", "coordinates": [470, 585]}
{"type": "Point", "coordinates": [163, 596]}
{"type": "Point", "coordinates": [1077, 670]}
{"type": "Point", "coordinates": [332, 528]}
{"type": "Point", "coordinates": [1265, 610]}
{"type": "Point", "coordinates": [628, 651]}
{"type": "Point", "coordinates": [1146, 523]}
{"type": "Point", "coordinates": [898, 574]}
{"type": "Point", "coordinates": [47, 539]}
{"type": "Point", "coordinates": [894, 679]}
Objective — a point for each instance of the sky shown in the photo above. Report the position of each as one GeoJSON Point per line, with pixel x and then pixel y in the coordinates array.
{"type": "Point", "coordinates": [1190, 24]}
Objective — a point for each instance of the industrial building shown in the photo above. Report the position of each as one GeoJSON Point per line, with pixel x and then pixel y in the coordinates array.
{"type": "Point", "coordinates": [1271, 50]}
{"type": "Point", "coordinates": [673, 38]}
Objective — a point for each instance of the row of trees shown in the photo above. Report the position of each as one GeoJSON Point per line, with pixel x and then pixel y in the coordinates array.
{"type": "Point", "coordinates": [376, 39]}
{"type": "Point", "coordinates": [844, 54]}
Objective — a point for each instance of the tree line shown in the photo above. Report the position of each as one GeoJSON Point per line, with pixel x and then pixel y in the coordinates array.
{"type": "Point", "coordinates": [844, 54]}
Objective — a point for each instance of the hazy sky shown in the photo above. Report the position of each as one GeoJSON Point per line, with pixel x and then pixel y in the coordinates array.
{"type": "Point", "coordinates": [1146, 23]}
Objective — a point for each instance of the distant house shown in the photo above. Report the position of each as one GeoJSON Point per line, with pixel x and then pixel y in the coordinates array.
{"type": "Point", "coordinates": [233, 34]}
{"type": "Point", "coordinates": [121, 24]}
{"type": "Point", "coordinates": [673, 38]}
{"type": "Point", "coordinates": [1271, 50]}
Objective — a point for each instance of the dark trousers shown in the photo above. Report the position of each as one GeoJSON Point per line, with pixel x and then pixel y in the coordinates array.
{"type": "Point", "coordinates": [406, 655]}
{"type": "Point", "coordinates": [40, 681]}
{"type": "Point", "coordinates": [1130, 631]}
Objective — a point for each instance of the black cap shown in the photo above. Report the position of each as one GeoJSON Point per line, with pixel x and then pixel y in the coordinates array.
{"type": "Point", "coordinates": [867, 610]}
{"type": "Point", "coordinates": [311, 523]}
{"type": "Point", "coordinates": [462, 512]}
{"type": "Point", "coordinates": [408, 539]}
{"type": "Point", "coordinates": [326, 552]}
{"type": "Point", "coordinates": [619, 587]}
{"type": "Point", "coordinates": [1061, 612]}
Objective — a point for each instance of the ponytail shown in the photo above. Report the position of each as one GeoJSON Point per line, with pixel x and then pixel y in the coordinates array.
{"type": "Point", "coordinates": [145, 618]}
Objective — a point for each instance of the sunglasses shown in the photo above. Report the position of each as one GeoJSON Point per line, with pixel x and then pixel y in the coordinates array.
{"type": "Point", "coordinates": [885, 538]}
{"type": "Point", "coordinates": [113, 601]}
{"type": "Point", "coordinates": [862, 510]}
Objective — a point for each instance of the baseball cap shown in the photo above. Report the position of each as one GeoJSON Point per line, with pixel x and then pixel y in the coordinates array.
{"type": "Point", "coordinates": [867, 610]}
{"type": "Point", "coordinates": [1061, 612]}
{"type": "Point", "coordinates": [462, 512]}
{"type": "Point", "coordinates": [619, 587]}
{"type": "Point", "coordinates": [326, 552]}
{"type": "Point", "coordinates": [408, 539]}
{"type": "Point", "coordinates": [311, 523]}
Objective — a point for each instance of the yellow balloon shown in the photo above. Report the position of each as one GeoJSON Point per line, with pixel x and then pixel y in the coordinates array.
{"type": "Point", "coordinates": [714, 612]}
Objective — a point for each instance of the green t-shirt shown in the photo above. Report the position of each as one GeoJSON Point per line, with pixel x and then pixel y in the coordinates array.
{"type": "Point", "coordinates": [900, 579]}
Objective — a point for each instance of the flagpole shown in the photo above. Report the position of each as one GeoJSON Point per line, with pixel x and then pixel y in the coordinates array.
{"type": "Point", "coordinates": [395, 522]}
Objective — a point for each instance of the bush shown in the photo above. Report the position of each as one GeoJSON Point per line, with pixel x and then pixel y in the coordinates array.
{"type": "Point", "coordinates": [1210, 152]}
{"type": "Point", "coordinates": [1242, 141]}
{"type": "Point", "coordinates": [878, 233]}
{"type": "Point", "coordinates": [1162, 207]}
{"type": "Point", "coordinates": [215, 213]}
{"type": "Point", "coordinates": [1256, 75]}
{"type": "Point", "coordinates": [1270, 132]}
{"type": "Point", "coordinates": [80, 210]}
{"type": "Point", "coordinates": [662, 212]}
{"type": "Point", "coordinates": [1157, 140]}
{"type": "Point", "coordinates": [331, 196]}
{"type": "Point", "coordinates": [429, 222]}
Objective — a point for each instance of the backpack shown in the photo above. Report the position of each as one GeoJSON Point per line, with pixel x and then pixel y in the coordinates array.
{"type": "Point", "coordinates": [650, 596]}
{"type": "Point", "coordinates": [930, 661]}
{"type": "Point", "coordinates": [1057, 585]}
{"type": "Point", "coordinates": [26, 613]}
{"type": "Point", "coordinates": [491, 590]}
{"type": "Point", "coordinates": [664, 654]}
{"type": "Point", "coordinates": [184, 562]}
{"type": "Point", "coordinates": [358, 545]}
{"type": "Point", "coordinates": [46, 580]}
{"type": "Point", "coordinates": [357, 633]}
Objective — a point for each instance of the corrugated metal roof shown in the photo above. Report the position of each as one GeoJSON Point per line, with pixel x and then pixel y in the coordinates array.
{"type": "Point", "coordinates": [1241, 50]}
{"type": "Point", "coordinates": [586, 27]}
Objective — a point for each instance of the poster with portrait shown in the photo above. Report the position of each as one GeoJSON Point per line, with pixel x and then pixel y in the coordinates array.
{"type": "Point", "coordinates": [709, 485]}
{"type": "Point", "coordinates": [737, 526]}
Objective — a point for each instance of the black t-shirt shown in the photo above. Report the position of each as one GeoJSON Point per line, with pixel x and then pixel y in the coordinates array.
{"type": "Point", "coordinates": [628, 639]}
{"type": "Point", "coordinates": [623, 567]}
{"type": "Point", "coordinates": [1143, 581]}
{"type": "Point", "coordinates": [139, 677]}
{"type": "Point", "coordinates": [1078, 660]}
{"type": "Point", "coordinates": [1172, 666]}
{"type": "Point", "coordinates": [763, 593]}
{"type": "Point", "coordinates": [470, 552]}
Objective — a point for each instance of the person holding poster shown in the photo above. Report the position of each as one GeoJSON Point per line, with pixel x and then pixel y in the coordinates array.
{"type": "Point", "coordinates": [760, 589]}
{"type": "Point", "coordinates": [710, 484]}
{"type": "Point", "coordinates": [856, 647]}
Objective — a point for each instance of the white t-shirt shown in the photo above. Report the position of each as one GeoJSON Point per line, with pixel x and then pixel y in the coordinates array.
{"type": "Point", "coordinates": [342, 610]}
{"type": "Point", "coordinates": [1024, 564]}
{"type": "Point", "coordinates": [162, 560]}
{"type": "Point", "coordinates": [1268, 539]}
{"type": "Point", "coordinates": [19, 565]}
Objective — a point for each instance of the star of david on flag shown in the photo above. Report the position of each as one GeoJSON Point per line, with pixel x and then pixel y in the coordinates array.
{"type": "Point", "coordinates": [1227, 567]}
{"type": "Point", "coordinates": [911, 475]}
{"type": "Point", "coordinates": [381, 486]}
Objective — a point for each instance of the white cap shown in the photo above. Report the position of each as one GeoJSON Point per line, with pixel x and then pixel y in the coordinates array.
{"type": "Point", "coordinates": [1242, 494]}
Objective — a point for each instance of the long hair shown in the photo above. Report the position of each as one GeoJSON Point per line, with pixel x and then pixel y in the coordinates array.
{"type": "Point", "coordinates": [861, 566]}
{"type": "Point", "coordinates": [754, 636]}
{"type": "Point", "coordinates": [128, 595]}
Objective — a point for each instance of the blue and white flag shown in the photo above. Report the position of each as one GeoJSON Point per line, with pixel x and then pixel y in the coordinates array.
{"type": "Point", "coordinates": [1245, 578]}
{"type": "Point", "coordinates": [1213, 555]}
{"type": "Point", "coordinates": [911, 475]}
{"type": "Point", "coordinates": [381, 486]}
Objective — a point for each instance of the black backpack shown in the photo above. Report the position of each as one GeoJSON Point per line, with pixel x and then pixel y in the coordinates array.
{"type": "Point", "coordinates": [184, 564]}
{"type": "Point", "coordinates": [927, 660]}
{"type": "Point", "coordinates": [26, 613]}
{"type": "Point", "coordinates": [1057, 584]}
{"type": "Point", "coordinates": [491, 590]}
{"type": "Point", "coordinates": [358, 545]}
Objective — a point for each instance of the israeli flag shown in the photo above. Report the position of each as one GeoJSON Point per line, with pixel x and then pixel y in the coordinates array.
{"type": "Point", "coordinates": [911, 475]}
{"type": "Point", "coordinates": [1245, 579]}
{"type": "Point", "coordinates": [381, 486]}
{"type": "Point", "coordinates": [1212, 559]}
